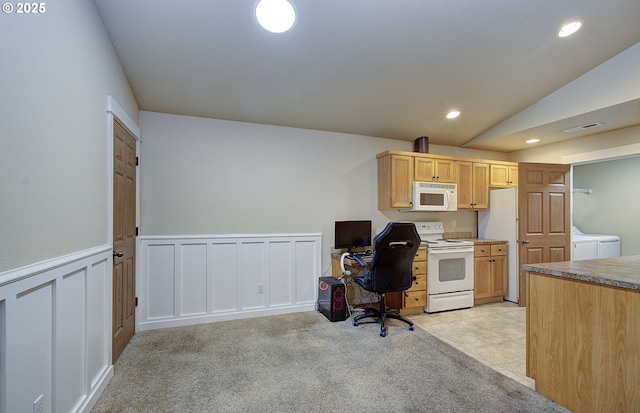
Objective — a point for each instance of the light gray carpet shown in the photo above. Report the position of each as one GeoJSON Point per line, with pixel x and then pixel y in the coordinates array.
{"type": "Point", "coordinates": [304, 363]}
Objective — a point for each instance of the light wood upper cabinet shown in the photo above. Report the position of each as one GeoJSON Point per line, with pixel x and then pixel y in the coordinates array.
{"type": "Point", "coordinates": [503, 176]}
{"type": "Point", "coordinates": [473, 184]}
{"type": "Point", "coordinates": [398, 170]}
{"type": "Point", "coordinates": [436, 170]}
{"type": "Point", "coordinates": [395, 181]}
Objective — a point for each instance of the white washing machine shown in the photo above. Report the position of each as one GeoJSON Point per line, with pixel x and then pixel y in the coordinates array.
{"type": "Point", "coordinates": [584, 248]}
{"type": "Point", "coordinates": [606, 246]}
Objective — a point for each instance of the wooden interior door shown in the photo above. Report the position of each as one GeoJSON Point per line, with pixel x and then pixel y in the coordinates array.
{"type": "Point", "coordinates": [124, 238]}
{"type": "Point", "coordinates": [543, 216]}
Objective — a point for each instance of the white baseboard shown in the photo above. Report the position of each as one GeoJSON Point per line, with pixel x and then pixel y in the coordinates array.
{"type": "Point", "coordinates": [212, 318]}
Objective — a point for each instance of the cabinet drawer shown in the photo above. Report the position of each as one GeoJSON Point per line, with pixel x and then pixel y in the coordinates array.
{"type": "Point", "coordinates": [419, 284]}
{"type": "Point", "coordinates": [482, 250]}
{"type": "Point", "coordinates": [421, 255]}
{"type": "Point", "coordinates": [499, 249]}
{"type": "Point", "coordinates": [419, 268]}
{"type": "Point", "coordinates": [414, 299]}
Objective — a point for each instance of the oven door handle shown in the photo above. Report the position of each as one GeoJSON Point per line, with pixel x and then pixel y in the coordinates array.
{"type": "Point", "coordinates": [449, 251]}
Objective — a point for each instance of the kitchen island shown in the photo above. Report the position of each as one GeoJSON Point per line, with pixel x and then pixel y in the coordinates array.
{"type": "Point", "coordinates": [583, 333]}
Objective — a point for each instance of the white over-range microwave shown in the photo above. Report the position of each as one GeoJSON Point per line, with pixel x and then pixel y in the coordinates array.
{"type": "Point", "coordinates": [434, 196]}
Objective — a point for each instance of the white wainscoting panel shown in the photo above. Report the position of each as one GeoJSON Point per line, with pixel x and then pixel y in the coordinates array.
{"type": "Point", "coordinates": [55, 333]}
{"type": "Point", "coordinates": [188, 280]}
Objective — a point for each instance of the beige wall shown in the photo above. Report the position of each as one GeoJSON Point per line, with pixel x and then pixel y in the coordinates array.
{"type": "Point", "coordinates": [57, 70]}
{"type": "Point", "coordinates": [612, 206]}
{"type": "Point", "coordinates": [208, 176]}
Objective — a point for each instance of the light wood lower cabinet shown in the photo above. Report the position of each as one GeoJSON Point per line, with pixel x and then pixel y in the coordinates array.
{"type": "Point", "coordinates": [490, 272]}
{"type": "Point", "coordinates": [583, 343]}
{"type": "Point", "coordinates": [414, 300]}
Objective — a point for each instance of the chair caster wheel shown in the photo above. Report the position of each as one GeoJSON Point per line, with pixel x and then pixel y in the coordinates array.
{"type": "Point", "coordinates": [355, 323]}
{"type": "Point", "coordinates": [383, 334]}
{"type": "Point", "coordinates": [410, 328]}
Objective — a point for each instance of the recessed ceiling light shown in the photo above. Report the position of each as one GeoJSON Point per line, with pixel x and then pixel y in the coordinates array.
{"type": "Point", "coordinates": [534, 140]}
{"type": "Point", "coordinates": [276, 16]}
{"type": "Point", "coordinates": [453, 114]}
{"type": "Point", "coordinates": [570, 28]}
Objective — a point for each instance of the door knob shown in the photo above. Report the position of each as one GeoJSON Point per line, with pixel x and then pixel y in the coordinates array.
{"type": "Point", "coordinates": [118, 253]}
{"type": "Point", "coordinates": [525, 241]}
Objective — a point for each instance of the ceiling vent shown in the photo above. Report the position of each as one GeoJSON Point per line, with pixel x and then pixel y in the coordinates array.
{"type": "Point", "coordinates": [583, 127]}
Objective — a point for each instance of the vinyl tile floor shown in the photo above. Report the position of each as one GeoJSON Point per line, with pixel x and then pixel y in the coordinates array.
{"type": "Point", "coordinates": [494, 334]}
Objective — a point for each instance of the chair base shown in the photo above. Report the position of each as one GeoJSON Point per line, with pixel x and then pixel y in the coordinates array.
{"type": "Point", "coordinates": [382, 314]}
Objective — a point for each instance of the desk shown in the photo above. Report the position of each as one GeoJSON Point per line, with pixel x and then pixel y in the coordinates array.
{"type": "Point", "coordinates": [412, 301]}
{"type": "Point", "coordinates": [356, 295]}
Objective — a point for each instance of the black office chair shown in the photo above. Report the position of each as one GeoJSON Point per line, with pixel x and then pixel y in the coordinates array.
{"type": "Point", "coordinates": [391, 270]}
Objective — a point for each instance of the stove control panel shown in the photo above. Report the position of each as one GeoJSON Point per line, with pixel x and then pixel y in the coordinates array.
{"type": "Point", "coordinates": [429, 227]}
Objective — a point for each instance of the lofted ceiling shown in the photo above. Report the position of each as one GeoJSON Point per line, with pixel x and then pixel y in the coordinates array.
{"type": "Point", "coordinates": [384, 68]}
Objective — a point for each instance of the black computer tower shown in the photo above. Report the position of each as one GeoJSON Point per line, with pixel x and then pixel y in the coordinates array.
{"type": "Point", "coordinates": [331, 299]}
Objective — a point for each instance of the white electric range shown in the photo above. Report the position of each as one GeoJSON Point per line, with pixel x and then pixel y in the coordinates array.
{"type": "Point", "coordinates": [449, 269]}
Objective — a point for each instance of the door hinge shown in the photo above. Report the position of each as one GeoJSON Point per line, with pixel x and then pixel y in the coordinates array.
{"type": "Point", "coordinates": [136, 301]}
{"type": "Point", "coordinates": [137, 161]}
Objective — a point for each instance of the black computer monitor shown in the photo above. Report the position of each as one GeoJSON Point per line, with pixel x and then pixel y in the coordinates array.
{"type": "Point", "coordinates": [352, 234]}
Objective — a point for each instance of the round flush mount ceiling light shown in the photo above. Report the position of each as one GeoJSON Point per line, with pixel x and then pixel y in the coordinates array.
{"type": "Point", "coordinates": [453, 114]}
{"type": "Point", "coordinates": [276, 16]}
{"type": "Point", "coordinates": [570, 28]}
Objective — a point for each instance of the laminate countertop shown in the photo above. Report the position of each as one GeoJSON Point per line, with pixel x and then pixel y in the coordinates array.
{"type": "Point", "coordinates": [622, 272]}
{"type": "Point", "coordinates": [482, 241]}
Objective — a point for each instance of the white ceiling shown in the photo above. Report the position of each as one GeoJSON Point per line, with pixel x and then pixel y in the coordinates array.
{"type": "Point", "coordinates": [385, 68]}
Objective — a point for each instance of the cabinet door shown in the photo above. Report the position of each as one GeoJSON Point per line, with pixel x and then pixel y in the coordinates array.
{"type": "Point", "coordinates": [414, 299]}
{"type": "Point", "coordinates": [444, 170]}
{"type": "Point", "coordinates": [503, 176]}
{"type": "Point", "coordinates": [480, 185]}
{"type": "Point", "coordinates": [436, 170]}
{"type": "Point", "coordinates": [482, 278]}
{"type": "Point", "coordinates": [401, 181]}
{"type": "Point", "coordinates": [498, 276]}
{"type": "Point", "coordinates": [395, 179]}
{"type": "Point", "coordinates": [464, 173]}
{"type": "Point", "coordinates": [499, 176]}
{"type": "Point", "coordinates": [425, 169]}
{"type": "Point", "coordinates": [513, 176]}
{"type": "Point", "coordinates": [473, 185]}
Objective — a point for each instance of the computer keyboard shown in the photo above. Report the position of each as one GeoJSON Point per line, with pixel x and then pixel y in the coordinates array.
{"type": "Point", "coordinates": [364, 254]}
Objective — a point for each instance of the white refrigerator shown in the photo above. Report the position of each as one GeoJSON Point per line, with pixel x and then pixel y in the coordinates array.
{"type": "Point", "coordinates": [500, 222]}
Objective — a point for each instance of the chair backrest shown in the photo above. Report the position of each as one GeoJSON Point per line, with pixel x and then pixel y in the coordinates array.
{"type": "Point", "coordinates": [394, 251]}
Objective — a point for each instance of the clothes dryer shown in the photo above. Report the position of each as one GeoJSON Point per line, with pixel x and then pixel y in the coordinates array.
{"type": "Point", "coordinates": [608, 245]}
